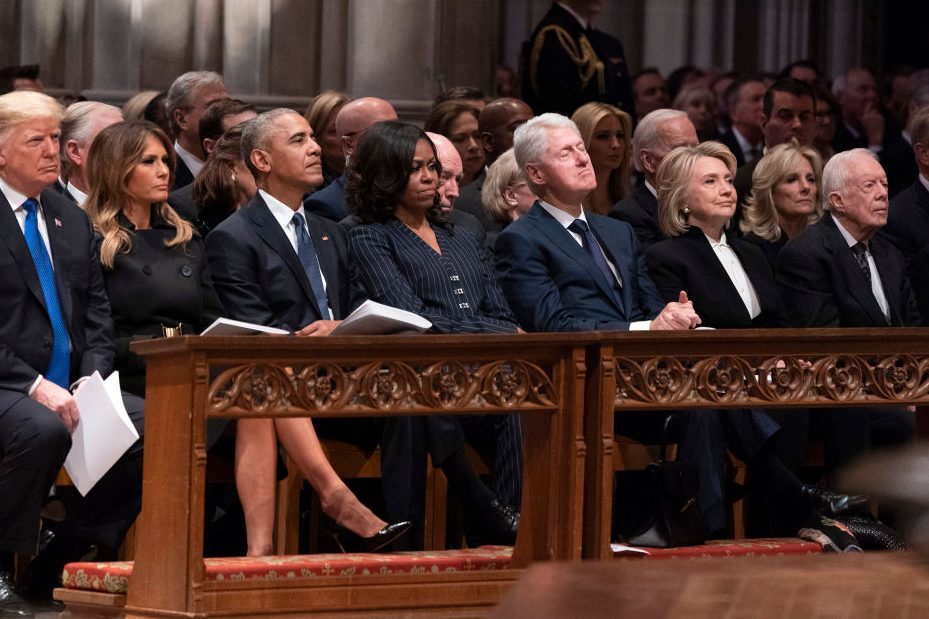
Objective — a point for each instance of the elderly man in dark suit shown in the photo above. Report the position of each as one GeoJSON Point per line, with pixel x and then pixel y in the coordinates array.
{"type": "Point", "coordinates": [57, 329]}
{"type": "Point", "coordinates": [186, 101]}
{"type": "Point", "coordinates": [564, 270]}
{"type": "Point", "coordinates": [656, 135]}
{"type": "Point", "coordinates": [838, 273]}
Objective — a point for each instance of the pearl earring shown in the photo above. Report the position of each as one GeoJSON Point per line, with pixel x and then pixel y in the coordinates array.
{"type": "Point", "coordinates": [233, 178]}
{"type": "Point", "coordinates": [685, 211]}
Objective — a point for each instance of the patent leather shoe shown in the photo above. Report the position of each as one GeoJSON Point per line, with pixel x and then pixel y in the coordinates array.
{"type": "Point", "coordinates": [11, 605]}
{"type": "Point", "coordinates": [832, 504]}
{"type": "Point", "coordinates": [351, 542]}
{"type": "Point", "coordinates": [500, 523]}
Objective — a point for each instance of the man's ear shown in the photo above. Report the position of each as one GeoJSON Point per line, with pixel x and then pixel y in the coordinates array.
{"type": "Point", "coordinates": [836, 202]}
{"type": "Point", "coordinates": [535, 174]}
{"type": "Point", "coordinates": [261, 160]}
{"type": "Point", "coordinates": [346, 145]}
{"type": "Point", "coordinates": [74, 152]}
{"type": "Point", "coordinates": [487, 140]}
{"type": "Point", "coordinates": [208, 145]}
{"type": "Point", "coordinates": [180, 119]}
{"type": "Point", "coordinates": [648, 162]}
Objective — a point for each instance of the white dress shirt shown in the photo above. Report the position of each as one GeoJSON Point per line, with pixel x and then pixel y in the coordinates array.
{"type": "Point", "coordinates": [737, 275]}
{"type": "Point", "coordinates": [285, 218]}
{"type": "Point", "coordinates": [79, 196]}
{"type": "Point", "coordinates": [194, 163]}
{"type": "Point", "coordinates": [876, 287]}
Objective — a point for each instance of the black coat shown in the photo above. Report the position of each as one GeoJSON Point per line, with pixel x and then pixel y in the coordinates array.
{"type": "Point", "coordinates": [640, 210]}
{"type": "Point", "coordinates": [688, 262]}
{"type": "Point", "coordinates": [908, 229]}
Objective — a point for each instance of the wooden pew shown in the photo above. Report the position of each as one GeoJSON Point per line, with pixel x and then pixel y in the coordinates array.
{"type": "Point", "coordinates": [539, 376]}
{"type": "Point", "coordinates": [642, 370]}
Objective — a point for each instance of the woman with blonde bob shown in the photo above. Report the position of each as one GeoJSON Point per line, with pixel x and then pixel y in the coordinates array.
{"type": "Point", "coordinates": [505, 194]}
{"type": "Point", "coordinates": [607, 135]}
{"type": "Point", "coordinates": [784, 201]}
{"type": "Point", "coordinates": [321, 113]}
{"type": "Point", "coordinates": [731, 286]}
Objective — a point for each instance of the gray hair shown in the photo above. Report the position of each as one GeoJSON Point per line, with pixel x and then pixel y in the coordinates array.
{"type": "Point", "coordinates": [181, 93]}
{"type": "Point", "coordinates": [256, 133]}
{"type": "Point", "coordinates": [648, 132]}
{"type": "Point", "coordinates": [919, 127]}
{"type": "Point", "coordinates": [75, 125]}
{"type": "Point", "coordinates": [835, 174]}
{"type": "Point", "coordinates": [530, 140]}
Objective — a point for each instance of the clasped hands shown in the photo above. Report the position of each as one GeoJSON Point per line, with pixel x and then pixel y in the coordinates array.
{"type": "Point", "coordinates": [676, 316]}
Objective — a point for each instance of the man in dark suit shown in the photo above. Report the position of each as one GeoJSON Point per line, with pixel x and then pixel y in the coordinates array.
{"type": "Point", "coordinates": [656, 135]}
{"type": "Point", "coordinates": [350, 123]}
{"type": "Point", "coordinates": [81, 124]}
{"type": "Point", "coordinates": [561, 275]}
{"type": "Point", "coordinates": [745, 101]}
{"type": "Point", "coordinates": [187, 100]}
{"type": "Point", "coordinates": [448, 191]}
{"type": "Point", "coordinates": [567, 62]}
{"type": "Point", "coordinates": [497, 122]}
{"type": "Point", "coordinates": [57, 330]}
{"type": "Point", "coordinates": [838, 273]}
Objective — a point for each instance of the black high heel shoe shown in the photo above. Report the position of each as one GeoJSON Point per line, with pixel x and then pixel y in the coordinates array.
{"type": "Point", "coordinates": [352, 542]}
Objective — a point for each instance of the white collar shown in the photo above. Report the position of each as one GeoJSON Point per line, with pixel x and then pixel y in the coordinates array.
{"type": "Point", "coordinates": [852, 241]}
{"type": "Point", "coordinates": [580, 20]}
{"type": "Point", "coordinates": [79, 196]}
{"type": "Point", "coordinates": [13, 196]}
{"type": "Point", "coordinates": [564, 217]}
{"type": "Point", "coordinates": [924, 181]}
{"type": "Point", "coordinates": [194, 163]}
{"type": "Point", "coordinates": [651, 188]}
{"type": "Point", "coordinates": [720, 242]}
{"type": "Point", "coordinates": [282, 213]}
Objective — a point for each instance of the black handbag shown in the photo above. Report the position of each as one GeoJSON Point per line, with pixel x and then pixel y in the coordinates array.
{"type": "Point", "coordinates": [669, 502]}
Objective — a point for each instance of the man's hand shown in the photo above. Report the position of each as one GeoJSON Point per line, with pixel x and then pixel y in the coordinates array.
{"type": "Point", "coordinates": [59, 400]}
{"type": "Point", "coordinates": [318, 328]}
{"type": "Point", "coordinates": [872, 121]}
{"type": "Point", "coordinates": [676, 316]}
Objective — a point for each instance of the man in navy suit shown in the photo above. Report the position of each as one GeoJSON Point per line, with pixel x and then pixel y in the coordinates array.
{"type": "Point", "coordinates": [565, 270]}
{"type": "Point", "coordinates": [57, 329]}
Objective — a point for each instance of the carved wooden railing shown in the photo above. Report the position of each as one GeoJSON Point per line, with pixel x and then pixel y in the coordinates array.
{"type": "Point", "coordinates": [736, 369]}
{"type": "Point", "coordinates": [191, 380]}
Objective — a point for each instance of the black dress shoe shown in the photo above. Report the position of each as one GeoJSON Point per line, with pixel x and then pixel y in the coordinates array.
{"type": "Point", "coordinates": [832, 504]}
{"type": "Point", "coordinates": [499, 523]}
{"type": "Point", "coordinates": [44, 573]}
{"type": "Point", "coordinates": [351, 542]}
{"type": "Point", "coordinates": [11, 605]}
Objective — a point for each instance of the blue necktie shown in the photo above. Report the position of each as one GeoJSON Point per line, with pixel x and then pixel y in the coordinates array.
{"type": "Point", "coordinates": [59, 369]}
{"type": "Point", "coordinates": [593, 247]}
{"type": "Point", "coordinates": [307, 254]}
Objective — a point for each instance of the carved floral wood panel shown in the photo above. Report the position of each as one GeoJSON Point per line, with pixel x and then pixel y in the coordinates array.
{"type": "Point", "coordinates": [383, 386]}
{"type": "Point", "coordinates": [781, 380]}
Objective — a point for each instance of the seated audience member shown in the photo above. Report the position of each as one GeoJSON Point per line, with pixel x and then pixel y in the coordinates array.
{"type": "Point", "coordinates": [321, 114]}
{"type": "Point", "coordinates": [684, 75]}
{"type": "Point", "coordinates": [275, 265]}
{"type": "Point", "coordinates": [57, 330]}
{"type": "Point", "coordinates": [225, 183]}
{"type": "Point", "coordinates": [350, 122]}
{"type": "Point", "coordinates": [220, 116]}
{"type": "Point", "coordinates": [828, 114]}
{"type": "Point", "coordinates": [80, 125]}
{"type": "Point", "coordinates": [784, 199]}
{"type": "Point", "coordinates": [719, 85]}
{"type": "Point", "coordinates": [187, 99]}
{"type": "Point", "coordinates": [154, 265]}
{"type": "Point", "coordinates": [698, 101]}
{"type": "Point", "coordinates": [157, 113]}
{"type": "Point", "coordinates": [744, 99]}
{"type": "Point", "coordinates": [566, 270]}
{"type": "Point", "coordinates": [25, 77]}
{"type": "Point", "coordinates": [458, 122]}
{"type": "Point", "coordinates": [863, 125]}
{"type": "Point", "coordinates": [474, 97]}
{"type": "Point", "coordinates": [607, 133]}
{"type": "Point", "coordinates": [837, 273]}
{"type": "Point", "coordinates": [655, 136]}
{"type": "Point", "coordinates": [731, 286]}
{"type": "Point", "coordinates": [907, 223]}
{"type": "Point", "coordinates": [497, 122]}
{"type": "Point", "coordinates": [650, 92]}
{"type": "Point", "coordinates": [450, 172]}
{"type": "Point", "coordinates": [410, 257]}
{"type": "Point", "coordinates": [506, 193]}
{"type": "Point", "coordinates": [804, 70]}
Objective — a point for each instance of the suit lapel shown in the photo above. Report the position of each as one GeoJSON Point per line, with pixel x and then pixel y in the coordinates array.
{"type": "Point", "coordinates": [557, 234]}
{"type": "Point", "coordinates": [16, 243]}
{"type": "Point", "coordinates": [273, 236]}
{"type": "Point", "coordinates": [61, 255]}
{"type": "Point", "coordinates": [890, 280]}
{"type": "Point", "coordinates": [851, 273]}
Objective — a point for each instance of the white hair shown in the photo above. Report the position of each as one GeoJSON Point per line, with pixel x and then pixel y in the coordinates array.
{"type": "Point", "coordinates": [835, 174]}
{"type": "Point", "coordinates": [77, 121]}
{"type": "Point", "coordinates": [648, 132]}
{"type": "Point", "coordinates": [181, 93]}
{"type": "Point", "coordinates": [530, 140]}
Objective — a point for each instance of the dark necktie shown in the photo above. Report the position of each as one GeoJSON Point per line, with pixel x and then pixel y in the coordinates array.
{"type": "Point", "coordinates": [307, 254]}
{"type": "Point", "coordinates": [596, 252]}
{"type": "Point", "coordinates": [860, 250]}
{"type": "Point", "coordinates": [59, 368]}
